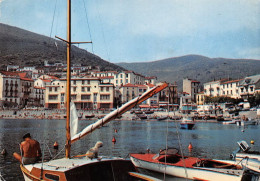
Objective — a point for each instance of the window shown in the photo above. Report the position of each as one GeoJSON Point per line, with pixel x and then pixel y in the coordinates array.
{"type": "Point", "coordinates": [82, 89]}
{"type": "Point", "coordinates": [251, 89]}
{"type": "Point", "coordinates": [74, 82]}
{"type": "Point", "coordinates": [227, 92]}
{"type": "Point", "coordinates": [88, 89]}
{"type": "Point", "coordinates": [107, 89]}
{"type": "Point", "coordinates": [223, 92]}
{"type": "Point", "coordinates": [126, 75]}
{"type": "Point", "coordinates": [227, 85]}
{"type": "Point", "coordinates": [56, 89]}
{"type": "Point", "coordinates": [121, 75]}
{"type": "Point", "coordinates": [83, 82]}
{"type": "Point", "coordinates": [231, 85]}
{"type": "Point", "coordinates": [85, 97]}
{"type": "Point", "coordinates": [53, 97]}
{"type": "Point", "coordinates": [102, 89]}
{"type": "Point", "coordinates": [50, 89]}
{"type": "Point", "coordinates": [231, 91]}
{"type": "Point", "coordinates": [126, 80]}
{"type": "Point", "coordinates": [242, 89]}
{"type": "Point", "coordinates": [104, 97]}
{"type": "Point", "coordinates": [73, 97]}
{"type": "Point", "coordinates": [74, 89]}
{"type": "Point", "coordinates": [88, 81]}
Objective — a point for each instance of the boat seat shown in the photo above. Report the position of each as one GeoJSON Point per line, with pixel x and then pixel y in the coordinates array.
{"type": "Point", "coordinates": [170, 159]}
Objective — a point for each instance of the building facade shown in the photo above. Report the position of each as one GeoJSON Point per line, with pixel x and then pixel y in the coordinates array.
{"type": "Point", "coordinates": [192, 87]}
{"type": "Point", "coordinates": [86, 93]}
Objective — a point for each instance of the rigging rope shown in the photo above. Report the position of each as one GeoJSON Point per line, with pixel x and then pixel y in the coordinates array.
{"type": "Point", "coordinates": [167, 132]}
{"type": "Point", "coordinates": [86, 14]}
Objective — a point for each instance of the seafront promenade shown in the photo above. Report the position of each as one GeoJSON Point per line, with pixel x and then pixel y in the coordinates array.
{"type": "Point", "coordinates": [86, 114]}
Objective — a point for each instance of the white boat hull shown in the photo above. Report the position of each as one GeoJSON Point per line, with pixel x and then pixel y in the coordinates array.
{"type": "Point", "coordinates": [195, 173]}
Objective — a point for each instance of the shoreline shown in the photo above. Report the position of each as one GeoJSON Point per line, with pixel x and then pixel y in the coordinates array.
{"type": "Point", "coordinates": [95, 115]}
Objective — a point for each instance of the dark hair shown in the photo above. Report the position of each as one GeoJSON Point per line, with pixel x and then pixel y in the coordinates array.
{"type": "Point", "coordinates": [27, 135]}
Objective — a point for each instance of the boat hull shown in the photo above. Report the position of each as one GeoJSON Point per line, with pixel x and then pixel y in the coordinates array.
{"type": "Point", "coordinates": [80, 169]}
{"type": "Point", "coordinates": [195, 173]}
{"type": "Point", "coordinates": [187, 125]}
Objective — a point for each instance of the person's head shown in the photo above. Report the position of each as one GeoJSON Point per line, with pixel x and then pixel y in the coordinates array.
{"type": "Point", "coordinates": [27, 135]}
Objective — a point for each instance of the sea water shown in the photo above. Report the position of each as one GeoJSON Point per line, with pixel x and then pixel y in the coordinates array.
{"type": "Point", "coordinates": [209, 140]}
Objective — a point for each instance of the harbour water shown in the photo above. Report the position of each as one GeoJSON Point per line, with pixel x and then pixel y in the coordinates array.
{"type": "Point", "coordinates": [209, 140]}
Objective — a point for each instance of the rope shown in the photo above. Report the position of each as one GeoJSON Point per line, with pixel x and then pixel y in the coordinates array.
{"type": "Point", "coordinates": [167, 132]}
{"type": "Point", "coordinates": [58, 153]}
{"type": "Point", "coordinates": [53, 17]}
{"type": "Point", "coordinates": [49, 149]}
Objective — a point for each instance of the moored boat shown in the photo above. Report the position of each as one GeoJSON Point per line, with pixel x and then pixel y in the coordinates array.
{"type": "Point", "coordinates": [187, 123]}
{"type": "Point", "coordinates": [173, 164]}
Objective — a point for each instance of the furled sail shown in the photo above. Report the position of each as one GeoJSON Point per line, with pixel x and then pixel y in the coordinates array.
{"type": "Point", "coordinates": [127, 106]}
{"type": "Point", "coordinates": [73, 120]}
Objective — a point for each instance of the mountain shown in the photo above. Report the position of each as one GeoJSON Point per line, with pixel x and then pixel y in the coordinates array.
{"type": "Point", "coordinates": [196, 67]}
{"type": "Point", "coordinates": [25, 48]}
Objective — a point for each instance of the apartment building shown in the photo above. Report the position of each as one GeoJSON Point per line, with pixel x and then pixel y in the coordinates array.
{"type": "Point", "coordinates": [191, 87]}
{"type": "Point", "coordinates": [248, 86]}
{"type": "Point", "coordinates": [213, 88]}
{"type": "Point", "coordinates": [230, 88]}
{"type": "Point", "coordinates": [10, 89]}
{"type": "Point", "coordinates": [86, 93]}
{"type": "Point", "coordinates": [131, 91]}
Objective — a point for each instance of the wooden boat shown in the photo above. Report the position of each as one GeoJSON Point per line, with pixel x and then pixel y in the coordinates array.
{"type": "Point", "coordinates": [173, 164]}
{"type": "Point", "coordinates": [80, 167]}
{"type": "Point", "coordinates": [187, 123]}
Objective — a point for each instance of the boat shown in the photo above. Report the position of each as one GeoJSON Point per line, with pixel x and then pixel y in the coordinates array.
{"type": "Point", "coordinates": [187, 123]}
{"type": "Point", "coordinates": [88, 116]}
{"type": "Point", "coordinates": [142, 116]}
{"type": "Point", "coordinates": [161, 118]}
{"type": "Point", "coordinates": [171, 163]}
{"type": "Point", "coordinates": [81, 167]}
{"type": "Point", "coordinates": [246, 158]}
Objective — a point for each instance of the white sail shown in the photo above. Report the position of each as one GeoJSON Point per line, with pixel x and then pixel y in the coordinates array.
{"type": "Point", "coordinates": [73, 120]}
{"type": "Point", "coordinates": [127, 106]}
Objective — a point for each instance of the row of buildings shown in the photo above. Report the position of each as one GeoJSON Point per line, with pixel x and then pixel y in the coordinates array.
{"type": "Point", "coordinates": [95, 89]}
{"type": "Point", "coordinates": [91, 89]}
{"type": "Point", "coordinates": [194, 92]}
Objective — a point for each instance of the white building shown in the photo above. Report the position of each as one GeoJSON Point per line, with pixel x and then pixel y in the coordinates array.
{"type": "Point", "coordinates": [86, 93]}
{"type": "Point", "coordinates": [230, 88]}
{"type": "Point", "coordinates": [248, 86]}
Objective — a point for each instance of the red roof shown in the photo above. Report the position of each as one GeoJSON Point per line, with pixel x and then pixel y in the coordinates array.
{"type": "Point", "coordinates": [106, 77]}
{"type": "Point", "coordinates": [232, 81]}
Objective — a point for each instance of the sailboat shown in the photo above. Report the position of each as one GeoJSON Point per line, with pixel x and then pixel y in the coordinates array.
{"type": "Point", "coordinates": [81, 167]}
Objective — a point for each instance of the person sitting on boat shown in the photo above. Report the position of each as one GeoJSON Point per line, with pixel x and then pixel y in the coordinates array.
{"type": "Point", "coordinates": [30, 149]}
{"type": "Point", "coordinates": [93, 152]}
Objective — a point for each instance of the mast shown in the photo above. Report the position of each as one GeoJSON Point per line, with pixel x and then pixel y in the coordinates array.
{"type": "Point", "coordinates": [68, 144]}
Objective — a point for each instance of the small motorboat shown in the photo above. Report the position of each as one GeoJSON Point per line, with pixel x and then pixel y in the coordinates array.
{"type": "Point", "coordinates": [187, 123]}
{"type": "Point", "coordinates": [171, 163]}
{"type": "Point", "coordinates": [247, 158]}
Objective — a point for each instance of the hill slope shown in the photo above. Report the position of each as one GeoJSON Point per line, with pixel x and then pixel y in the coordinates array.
{"type": "Point", "coordinates": [24, 48]}
{"type": "Point", "coordinates": [196, 67]}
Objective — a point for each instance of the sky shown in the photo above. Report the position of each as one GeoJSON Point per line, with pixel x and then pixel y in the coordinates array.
{"type": "Point", "coordinates": [146, 30]}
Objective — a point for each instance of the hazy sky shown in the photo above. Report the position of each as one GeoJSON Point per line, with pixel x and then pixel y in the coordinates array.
{"type": "Point", "coordinates": [146, 30]}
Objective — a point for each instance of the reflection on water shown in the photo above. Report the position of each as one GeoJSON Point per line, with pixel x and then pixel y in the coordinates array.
{"type": "Point", "coordinates": [209, 140]}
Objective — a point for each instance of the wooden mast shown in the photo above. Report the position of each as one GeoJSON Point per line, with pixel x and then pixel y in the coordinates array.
{"type": "Point", "coordinates": [68, 143]}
